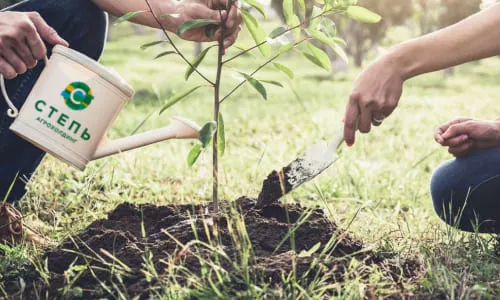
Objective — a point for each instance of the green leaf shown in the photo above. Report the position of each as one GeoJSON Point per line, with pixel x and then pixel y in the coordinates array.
{"type": "Point", "coordinates": [277, 32]}
{"type": "Point", "coordinates": [166, 16]}
{"type": "Point", "coordinates": [286, 48]}
{"type": "Point", "coordinates": [256, 84]}
{"type": "Point", "coordinates": [295, 22]}
{"type": "Point", "coordinates": [178, 97]}
{"type": "Point", "coordinates": [314, 23]}
{"type": "Point", "coordinates": [210, 30]}
{"type": "Point", "coordinates": [332, 42]}
{"type": "Point", "coordinates": [288, 10]}
{"type": "Point", "coordinates": [258, 34]}
{"type": "Point", "coordinates": [302, 7]}
{"type": "Point", "coordinates": [164, 54]}
{"type": "Point", "coordinates": [243, 47]}
{"type": "Point", "coordinates": [340, 41]}
{"type": "Point", "coordinates": [259, 7]}
{"type": "Point", "coordinates": [329, 4]}
{"type": "Point", "coordinates": [341, 53]}
{"type": "Point", "coordinates": [321, 37]}
{"type": "Point", "coordinates": [148, 45]}
{"type": "Point", "coordinates": [196, 62]}
{"type": "Point", "coordinates": [206, 133]}
{"type": "Point", "coordinates": [193, 155]}
{"type": "Point", "coordinates": [273, 82]}
{"type": "Point", "coordinates": [362, 14]}
{"type": "Point", "coordinates": [221, 136]}
{"type": "Point", "coordinates": [193, 24]}
{"type": "Point", "coordinates": [284, 69]}
{"type": "Point", "coordinates": [328, 27]}
{"type": "Point", "coordinates": [128, 16]}
{"type": "Point", "coordinates": [318, 57]}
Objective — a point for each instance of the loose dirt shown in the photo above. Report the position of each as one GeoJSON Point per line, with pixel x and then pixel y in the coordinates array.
{"type": "Point", "coordinates": [166, 235]}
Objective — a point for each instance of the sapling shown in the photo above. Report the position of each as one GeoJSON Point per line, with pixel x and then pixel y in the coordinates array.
{"type": "Point", "coordinates": [299, 34]}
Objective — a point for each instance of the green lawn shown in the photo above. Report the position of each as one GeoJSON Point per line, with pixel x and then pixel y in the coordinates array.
{"type": "Point", "coordinates": [380, 187]}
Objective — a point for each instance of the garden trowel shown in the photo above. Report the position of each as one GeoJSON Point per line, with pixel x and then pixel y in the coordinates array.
{"type": "Point", "coordinates": [309, 165]}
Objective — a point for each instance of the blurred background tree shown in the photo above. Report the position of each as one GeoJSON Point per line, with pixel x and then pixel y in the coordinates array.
{"type": "Point", "coordinates": [362, 38]}
{"type": "Point", "coordinates": [453, 11]}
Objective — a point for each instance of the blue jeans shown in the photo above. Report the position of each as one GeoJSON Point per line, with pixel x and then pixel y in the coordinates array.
{"type": "Point", "coordinates": [466, 192]}
{"type": "Point", "coordinates": [84, 26]}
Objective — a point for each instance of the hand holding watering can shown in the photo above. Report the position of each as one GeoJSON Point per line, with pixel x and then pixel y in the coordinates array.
{"type": "Point", "coordinates": [72, 106]}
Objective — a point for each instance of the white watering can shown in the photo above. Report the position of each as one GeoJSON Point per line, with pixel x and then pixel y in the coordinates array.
{"type": "Point", "coordinates": [72, 106]}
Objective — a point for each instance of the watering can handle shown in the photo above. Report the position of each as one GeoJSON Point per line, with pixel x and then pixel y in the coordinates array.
{"type": "Point", "coordinates": [12, 112]}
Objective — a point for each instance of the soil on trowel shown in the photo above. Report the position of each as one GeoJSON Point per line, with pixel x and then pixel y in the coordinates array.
{"type": "Point", "coordinates": [275, 186]}
{"type": "Point", "coordinates": [166, 235]}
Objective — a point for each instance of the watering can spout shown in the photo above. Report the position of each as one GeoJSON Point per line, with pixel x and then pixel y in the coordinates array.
{"type": "Point", "coordinates": [179, 128]}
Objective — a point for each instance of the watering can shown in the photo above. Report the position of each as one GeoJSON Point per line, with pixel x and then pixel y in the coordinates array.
{"type": "Point", "coordinates": [72, 106]}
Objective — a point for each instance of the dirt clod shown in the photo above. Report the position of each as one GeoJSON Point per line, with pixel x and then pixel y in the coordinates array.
{"type": "Point", "coordinates": [275, 186]}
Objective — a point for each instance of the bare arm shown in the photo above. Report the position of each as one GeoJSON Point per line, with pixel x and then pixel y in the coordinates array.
{"type": "Point", "coordinates": [474, 38]}
{"type": "Point", "coordinates": [183, 10]}
{"type": "Point", "coordinates": [22, 33]}
{"type": "Point", "coordinates": [378, 89]}
{"type": "Point", "coordinates": [121, 7]}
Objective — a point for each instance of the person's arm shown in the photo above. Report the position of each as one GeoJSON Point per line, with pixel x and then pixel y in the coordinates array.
{"type": "Point", "coordinates": [377, 91]}
{"type": "Point", "coordinates": [182, 11]}
{"type": "Point", "coordinates": [22, 34]}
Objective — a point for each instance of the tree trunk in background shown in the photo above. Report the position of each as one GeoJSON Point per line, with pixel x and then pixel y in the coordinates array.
{"type": "Point", "coordinates": [111, 20]}
{"type": "Point", "coordinates": [450, 72]}
{"type": "Point", "coordinates": [358, 58]}
{"type": "Point", "coordinates": [197, 49]}
{"type": "Point", "coordinates": [139, 29]}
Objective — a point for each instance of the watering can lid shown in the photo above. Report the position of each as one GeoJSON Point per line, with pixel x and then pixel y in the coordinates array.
{"type": "Point", "coordinates": [108, 74]}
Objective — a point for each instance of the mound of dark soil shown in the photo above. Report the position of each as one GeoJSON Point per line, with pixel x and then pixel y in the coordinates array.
{"type": "Point", "coordinates": [166, 235]}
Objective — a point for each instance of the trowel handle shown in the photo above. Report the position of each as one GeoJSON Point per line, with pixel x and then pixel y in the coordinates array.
{"type": "Point", "coordinates": [337, 140]}
{"type": "Point", "coordinates": [12, 112]}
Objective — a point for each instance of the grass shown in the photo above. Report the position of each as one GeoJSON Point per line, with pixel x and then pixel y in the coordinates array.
{"type": "Point", "coordinates": [380, 187]}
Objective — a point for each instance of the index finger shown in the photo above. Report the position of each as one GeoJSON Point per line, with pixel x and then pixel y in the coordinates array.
{"type": "Point", "coordinates": [350, 120]}
{"type": "Point", "coordinates": [456, 130]}
{"type": "Point", "coordinates": [445, 126]}
{"type": "Point", "coordinates": [438, 135]}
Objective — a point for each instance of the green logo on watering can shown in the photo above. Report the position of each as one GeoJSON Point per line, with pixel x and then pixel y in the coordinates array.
{"type": "Point", "coordinates": [77, 95]}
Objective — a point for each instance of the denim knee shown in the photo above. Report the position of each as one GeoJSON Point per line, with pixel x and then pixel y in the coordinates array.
{"type": "Point", "coordinates": [89, 26]}
{"type": "Point", "coordinates": [448, 196]}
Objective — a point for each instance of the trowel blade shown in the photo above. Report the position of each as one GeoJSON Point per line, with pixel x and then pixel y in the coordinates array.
{"type": "Point", "coordinates": [306, 167]}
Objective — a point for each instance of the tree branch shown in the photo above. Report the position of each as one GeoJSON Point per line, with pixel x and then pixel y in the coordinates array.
{"type": "Point", "coordinates": [280, 34]}
{"type": "Point", "coordinates": [257, 70]}
{"type": "Point", "coordinates": [174, 46]}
